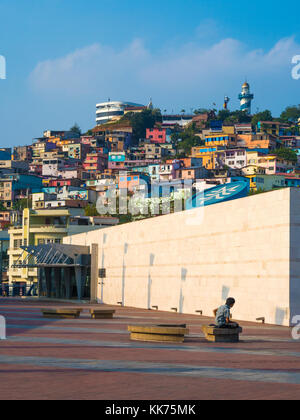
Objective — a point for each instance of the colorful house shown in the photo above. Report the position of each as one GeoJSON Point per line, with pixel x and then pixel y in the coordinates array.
{"type": "Point", "coordinates": [133, 180]}
{"type": "Point", "coordinates": [156, 135]}
{"type": "Point", "coordinates": [269, 182]}
{"type": "Point", "coordinates": [269, 127]}
{"type": "Point", "coordinates": [220, 139]}
{"type": "Point", "coordinates": [236, 158]}
{"type": "Point", "coordinates": [95, 162]}
{"type": "Point", "coordinates": [212, 157]}
{"type": "Point", "coordinates": [116, 160]}
{"type": "Point", "coordinates": [271, 163]}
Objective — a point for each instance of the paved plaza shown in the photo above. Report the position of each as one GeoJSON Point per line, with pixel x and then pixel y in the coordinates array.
{"type": "Point", "coordinates": [95, 359]}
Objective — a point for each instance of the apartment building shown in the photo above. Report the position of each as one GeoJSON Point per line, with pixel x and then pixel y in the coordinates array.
{"type": "Point", "coordinates": [17, 186]}
{"type": "Point", "coordinates": [39, 227]}
{"type": "Point", "coordinates": [52, 167]}
{"type": "Point", "coordinates": [22, 153]}
{"type": "Point", "coordinates": [236, 158]}
{"type": "Point", "coordinates": [212, 157]}
{"type": "Point", "coordinates": [95, 162]}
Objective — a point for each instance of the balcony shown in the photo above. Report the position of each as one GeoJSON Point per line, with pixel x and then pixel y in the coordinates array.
{"type": "Point", "coordinates": [14, 251]}
{"type": "Point", "coordinates": [20, 228]}
{"type": "Point", "coordinates": [14, 272]}
{"type": "Point", "coordinates": [48, 228]}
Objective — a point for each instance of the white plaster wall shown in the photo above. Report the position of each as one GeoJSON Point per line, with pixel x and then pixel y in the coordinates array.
{"type": "Point", "coordinates": [295, 256]}
{"type": "Point", "coordinates": [195, 259]}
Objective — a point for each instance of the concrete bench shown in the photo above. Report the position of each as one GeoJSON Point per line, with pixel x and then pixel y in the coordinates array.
{"type": "Point", "coordinates": [222, 335]}
{"type": "Point", "coordinates": [61, 312]}
{"type": "Point", "coordinates": [159, 333]}
{"type": "Point", "coordinates": [102, 313]}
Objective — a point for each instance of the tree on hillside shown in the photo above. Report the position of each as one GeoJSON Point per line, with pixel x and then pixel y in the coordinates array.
{"type": "Point", "coordinates": [261, 116]}
{"type": "Point", "coordinates": [142, 120]}
{"type": "Point", "coordinates": [233, 117]}
{"type": "Point", "coordinates": [223, 114]}
{"type": "Point", "coordinates": [286, 153]}
{"type": "Point", "coordinates": [201, 111]}
{"type": "Point", "coordinates": [76, 129]}
{"type": "Point", "coordinates": [22, 204]}
{"type": "Point", "coordinates": [186, 139]}
{"type": "Point", "coordinates": [239, 116]}
{"type": "Point", "coordinates": [290, 114]}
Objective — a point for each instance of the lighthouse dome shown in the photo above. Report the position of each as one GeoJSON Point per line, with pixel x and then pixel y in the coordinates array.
{"type": "Point", "coordinates": [245, 85]}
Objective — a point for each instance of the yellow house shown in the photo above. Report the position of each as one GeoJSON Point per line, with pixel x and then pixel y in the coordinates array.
{"type": "Point", "coordinates": [251, 171]}
{"type": "Point", "coordinates": [211, 156]}
{"type": "Point", "coordinates": [271, 163]}
{"type": "Point", "coordinates": [221, 139]}
{"type": "Point", "coordinates": [269, 127]}
{"type": "Point", "coordinates": [254, 157]}
{"type": "Point", "coordinates": [228, 129]}
{"type": "Point", "coordinates": [39, 227]}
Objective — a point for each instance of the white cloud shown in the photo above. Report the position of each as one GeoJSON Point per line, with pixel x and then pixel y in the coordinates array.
{"type": "Point", "coordinates": [192, 74]}
{"type": "Point", "coordinates": [93, 67]}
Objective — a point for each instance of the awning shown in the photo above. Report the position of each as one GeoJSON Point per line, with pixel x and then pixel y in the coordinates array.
{"type": "Point", "coordinates": [53, 255]}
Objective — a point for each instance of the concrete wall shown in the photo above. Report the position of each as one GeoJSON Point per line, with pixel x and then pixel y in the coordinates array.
{"type": "Point", "coordinates": [295, 253]}
{"type": "Point", "coordinates": [195, 259]}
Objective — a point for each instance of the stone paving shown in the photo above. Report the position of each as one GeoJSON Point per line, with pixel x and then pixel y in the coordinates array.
{"type": "Point", "coordinates": [95, 359]}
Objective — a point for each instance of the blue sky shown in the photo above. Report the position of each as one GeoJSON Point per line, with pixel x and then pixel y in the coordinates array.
{"type": "Point", "coordinates": [64, 56]}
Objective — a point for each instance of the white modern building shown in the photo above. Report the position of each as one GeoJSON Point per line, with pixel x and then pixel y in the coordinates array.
{"type": "Point", "coordinates": [107, 111]}
{"type": "Point", "coordinates": [181, 120]}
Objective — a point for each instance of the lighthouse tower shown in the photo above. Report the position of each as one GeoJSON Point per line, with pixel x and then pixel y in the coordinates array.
{"type": "Point", "coordinates": [245, 98]}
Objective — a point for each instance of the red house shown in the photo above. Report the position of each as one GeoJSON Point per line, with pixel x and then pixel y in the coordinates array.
{"type": "Point", "coordinates": [156, 135]}
{"type": "Point", "coordinates": [95, 162]}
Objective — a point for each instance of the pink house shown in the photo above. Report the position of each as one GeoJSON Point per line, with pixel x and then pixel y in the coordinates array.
{"type": "Point", "coordinates": [132, 180]}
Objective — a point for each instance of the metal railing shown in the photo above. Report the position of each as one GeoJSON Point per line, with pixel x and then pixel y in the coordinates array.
{"type": "Point", "coordinates": [15, 290]}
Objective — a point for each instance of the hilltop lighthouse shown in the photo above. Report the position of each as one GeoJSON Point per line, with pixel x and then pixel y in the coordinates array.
{"type": "Point", "coordinates": [245, 98]}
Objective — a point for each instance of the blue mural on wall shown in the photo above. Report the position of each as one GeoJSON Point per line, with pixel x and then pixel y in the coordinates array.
{"type": "Point", "coordinates": [219, 194]}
